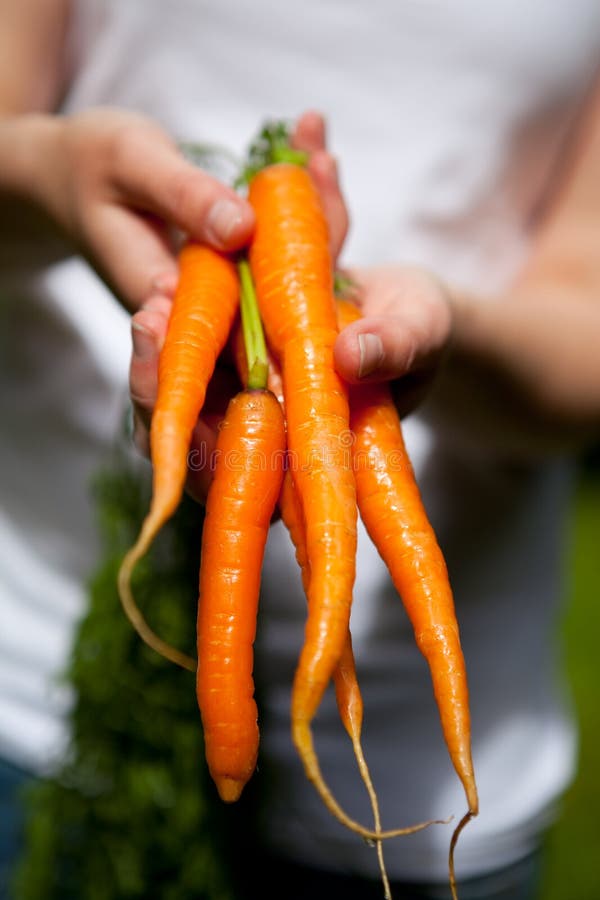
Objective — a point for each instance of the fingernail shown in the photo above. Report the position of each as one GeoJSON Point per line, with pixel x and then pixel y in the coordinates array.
{"type": "Point", "coordinates": [222, 220]}
{"type": "Point", "coordinates": [144, 345]}
{"type": "Point", "coordinates": [370, 351]}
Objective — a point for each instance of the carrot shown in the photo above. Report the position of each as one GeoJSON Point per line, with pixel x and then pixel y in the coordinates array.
{"type": "Point", "coordinates": [292, 270]}
{"type": "Point", "coordinates": [392, 510]}
{"type": "Point", "coordinates": [250, 455]}
{"type": "Point", "coordinates": [203, 309]}
{"type": "Point", "coordinates": [249, 465]}
{"type": "Point", "coordinates": [347, 690]}
{"type": "Point", "coordinates": [293, 273]}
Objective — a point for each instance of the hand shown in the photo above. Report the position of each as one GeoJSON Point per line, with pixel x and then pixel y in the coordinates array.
{"type": "Point", "coordinates": [118, 185]}
{"type": "Point", "coordinates": [310, 136]}
{"type": "Point", "coordinates": [149, 324]}
{"type": "Point", "coordinates": [403, 335]}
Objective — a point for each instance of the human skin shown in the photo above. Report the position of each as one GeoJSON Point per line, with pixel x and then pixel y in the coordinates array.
{"type": "Point", "coordinates": [517, 375]}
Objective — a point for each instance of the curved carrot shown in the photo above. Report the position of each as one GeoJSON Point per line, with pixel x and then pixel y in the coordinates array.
{"type": "Point", "coordinates": [204, 306]}
{"type": "Point", "coordinates": [345, 680]}
{"type": "Point", "coordinates": [293, 273]}
{"type": "Point", "coordinates": [250, 454]}
{"type": "Point", "coordinates": [392, 510]}
{"type": "Point", "coordinates": [292, 270]}
{"type": "Point", "coordinates": [347, 691]}
{"type": "Point", "coordinates": [324, 512]}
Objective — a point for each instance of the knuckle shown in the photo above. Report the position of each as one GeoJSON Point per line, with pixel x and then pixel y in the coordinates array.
{"type": "Point", "coordinates": [123, 147]}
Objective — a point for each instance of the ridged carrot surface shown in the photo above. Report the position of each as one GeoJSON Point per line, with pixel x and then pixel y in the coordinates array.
{"type": "Point", "coordinates": [292, 271]}
{"type": "Point", "coordinates": [250, 456]}
{"type": "Point", "coordinates": [392, 510]}
{"type": "Point", "coordinates": [393, 513]}
{"type": "Point", "coordinates": [289, 255]}
{"type": "Point", "coordinates": [347, 690]}
{"type": "Point", "coordinates": [293, 275]}
{"type": "Point", "coordinates": [204, 306]}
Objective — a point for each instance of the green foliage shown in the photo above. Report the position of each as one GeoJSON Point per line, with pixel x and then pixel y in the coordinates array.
{"type": "Point", "coordinates": [133, 812]}
{"type": "Point", "coordinates": [272, 145]}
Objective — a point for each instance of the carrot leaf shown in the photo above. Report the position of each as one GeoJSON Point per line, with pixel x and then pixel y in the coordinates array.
{"type": "Point", "coordinates": [272, 145]}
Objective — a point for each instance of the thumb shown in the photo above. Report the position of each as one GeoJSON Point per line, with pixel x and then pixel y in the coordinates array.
{"type": "Point", "coordinates": [156, 178]}
{"type": "Point", "coordinates": [384, 348]}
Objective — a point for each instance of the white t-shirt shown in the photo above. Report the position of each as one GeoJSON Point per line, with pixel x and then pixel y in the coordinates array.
{"type": "Point", "coordinates": [449, 120]}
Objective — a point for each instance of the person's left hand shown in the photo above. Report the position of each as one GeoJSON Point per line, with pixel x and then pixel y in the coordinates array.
{"type": "Point", "coordinates": [403, 335]}
{"type": "Point", "coordinates": [407, 318]}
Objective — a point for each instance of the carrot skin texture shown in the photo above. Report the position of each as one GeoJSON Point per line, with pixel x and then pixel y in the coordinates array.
{"type": "Point", "coordinates": [247, 481]}
{"type": "Point", "coordinates": [392, 510]}
{"type": "Point", "coordinates": [293, 274]}
{"type": "Point", "coordinates": [289, 255]}
{"type": "Point", "coordinates": [348, 695]}
{"type": "Point", "coordinates": [349, 698]}
{"type": "Point", "coordinates": [205, 302]}
{"type": "Point", "coordinates": [317, 414]}
{"type": "Point", "coordinates": [204, 307]}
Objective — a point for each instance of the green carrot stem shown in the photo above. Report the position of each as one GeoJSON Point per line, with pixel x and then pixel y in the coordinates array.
{"type": "Point", "coordinates": [283, 153]}
{"type": "Point", "coordinates": [272, 145]}
{"type": "Point", "coordinates": [252, 330]}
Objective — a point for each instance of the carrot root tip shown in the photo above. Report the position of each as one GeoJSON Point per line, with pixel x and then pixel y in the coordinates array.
{"type": "Point", "coordinates": [133, 612]}
{"type": "Point", "coordinates": [229, 789]}
{"type": "Point", "coordinates": [453, 841]}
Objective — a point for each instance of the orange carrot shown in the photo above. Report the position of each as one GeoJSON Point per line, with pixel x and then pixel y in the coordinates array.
{"type": "Point", "coordinates": [293, 273]}
{"type": "Point", "coordinates": [392, 510]}
{"type": "Point", "coordinates": [348, 695]}
{"type": "Point", "coordinates": [347, 690]}
{"type": "Point", "coordinates": [250, 454]}
{"type": "Point", "coordinates": [203, 309]}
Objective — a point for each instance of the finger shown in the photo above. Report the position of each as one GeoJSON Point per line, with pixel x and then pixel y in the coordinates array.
{"type": "Point", "coordinates": [201, 459]}
{"type": "Point", "coordinates": [154, 176]}
{"type": "Point", "coordinates": [148, 330]}
{"type": "Point", "coordinates": [323, 168]}
{"type": "Point", "coordinates": [309, 133]}
{"type": "Point", "coordinates": [132, 254]}
{"type": "Point", "coordinates": [141, 435]}
{"type": "Point", "coordinates": [388, 347]}
{"type": "Point", "coordinates": [373, 348]}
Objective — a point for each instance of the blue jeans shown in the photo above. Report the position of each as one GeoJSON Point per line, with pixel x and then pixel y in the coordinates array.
{"type": "Point", "coordinates": [12, 781]}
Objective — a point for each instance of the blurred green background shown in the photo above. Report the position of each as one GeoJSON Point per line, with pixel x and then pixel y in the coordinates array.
{"type": "Point", "coordinates": [133, 814]}
{"type": "Point", "coordinates": [571, 862]}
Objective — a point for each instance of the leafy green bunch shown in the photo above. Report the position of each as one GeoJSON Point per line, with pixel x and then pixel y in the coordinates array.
{"type": "Point", "coordinates": [132, 813]}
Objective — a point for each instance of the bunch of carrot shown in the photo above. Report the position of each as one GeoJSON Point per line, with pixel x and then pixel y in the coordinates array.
{"type": "Point", "coordinates": [294, 407]}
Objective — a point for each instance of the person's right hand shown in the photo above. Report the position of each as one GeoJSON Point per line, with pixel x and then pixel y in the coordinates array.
{"type": "Point", "coordinates": [118, 185]}
{"type": "Point", "coordinates": [149, 325]}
